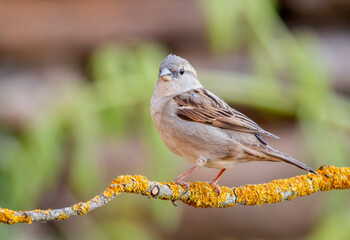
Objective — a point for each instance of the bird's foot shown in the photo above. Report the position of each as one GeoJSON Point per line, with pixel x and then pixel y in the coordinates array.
{"type": "Point", "coordinates": [182, 183]}
{"type": "Point", "coordinates": [215, 180]}
{"type": "Point", "coordinates": [217, 188]}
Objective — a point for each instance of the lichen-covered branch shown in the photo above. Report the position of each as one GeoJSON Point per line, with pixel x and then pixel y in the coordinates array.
{"type": "Point", "coordinates": [199, 194]}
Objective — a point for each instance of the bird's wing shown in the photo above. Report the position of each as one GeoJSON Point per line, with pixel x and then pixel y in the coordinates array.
{"type": "Point", "coordinates": [202, 106]}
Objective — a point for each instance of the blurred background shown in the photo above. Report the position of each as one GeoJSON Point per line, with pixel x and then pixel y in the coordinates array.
{"type": "Point", "coordinates": [76, 79]}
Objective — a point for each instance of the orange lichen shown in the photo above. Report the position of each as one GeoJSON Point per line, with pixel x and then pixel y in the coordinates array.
{"type": "Point", "coordinates": [203, 195]}
{"type": "Point", "coordinates": [11, 217]}
{"type": "Point", "coordinates": [96, 198]}
{"type": "Point", "coordinates": [132, 184]}
{"type": "Point", "coordinates": [62, 216]}
{"type": "Point", "coordinates": [140, 185]}
{"type": "Point", "coordinates": [175, 188]}
{"type": "Point", "coordinates": [82, 207]}
{"type": "Point", "coordinates": [117, 186]}
{"type": "Point", "coordinates": [200, 194]}
{"type": "Point", "coordinates": [47, 211]}
{"type": "Point", "coordinates": [327, 178]}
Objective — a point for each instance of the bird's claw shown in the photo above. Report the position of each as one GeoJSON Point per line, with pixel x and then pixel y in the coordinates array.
{"type": "Point", "coordinates": [184, 184]}
{"type": "Point", "coordinates": [217, 188]}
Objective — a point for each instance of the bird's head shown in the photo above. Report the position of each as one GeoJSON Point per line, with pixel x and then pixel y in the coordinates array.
{"type": "Point", "coordinates": [176, 75]}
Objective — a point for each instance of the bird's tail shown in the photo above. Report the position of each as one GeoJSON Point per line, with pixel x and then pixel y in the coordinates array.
{"type": "Point", "coordinates": [280, 156]}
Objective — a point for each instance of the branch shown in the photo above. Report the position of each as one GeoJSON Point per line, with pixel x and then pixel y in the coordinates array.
{"type": "Point", "coordinates": [199, 194]}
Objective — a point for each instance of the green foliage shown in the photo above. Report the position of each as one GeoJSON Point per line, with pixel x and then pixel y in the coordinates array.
{"type": "Point", "coordinates": [224, 23]}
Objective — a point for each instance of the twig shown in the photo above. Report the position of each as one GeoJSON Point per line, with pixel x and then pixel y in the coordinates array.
{"type": "Point", "coordinates": [199, 195]}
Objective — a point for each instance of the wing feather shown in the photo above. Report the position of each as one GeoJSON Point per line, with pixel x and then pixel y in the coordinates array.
{"type": "Point", "coordinates": [202, 106]}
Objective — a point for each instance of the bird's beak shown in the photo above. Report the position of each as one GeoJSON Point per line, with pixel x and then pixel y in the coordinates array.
{"type": "Point", "coordinates": [166, 75]}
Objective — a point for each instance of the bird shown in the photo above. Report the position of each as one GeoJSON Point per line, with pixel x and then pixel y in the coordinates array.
{"type": "Point", "coordinates": [200, 127]}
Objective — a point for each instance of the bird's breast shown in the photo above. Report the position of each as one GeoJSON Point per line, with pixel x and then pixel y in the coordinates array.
{"type": "Point", "coordinates": [188, 139]}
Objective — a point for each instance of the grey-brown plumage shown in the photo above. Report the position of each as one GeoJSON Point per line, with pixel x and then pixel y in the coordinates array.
{"type": "Point", "coordinates": [200, 127]}
{"type": "Point", "coordinates": [203, 106]}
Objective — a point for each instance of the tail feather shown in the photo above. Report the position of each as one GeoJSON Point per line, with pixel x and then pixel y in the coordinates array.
{"type": "Point", "coordinates": [288, 159]}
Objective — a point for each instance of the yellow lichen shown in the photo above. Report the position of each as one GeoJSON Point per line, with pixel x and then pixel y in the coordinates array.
{"type": "Point", "coordinates": [96, 198]}
{"type": "Point", "coordinates": [82, 207]}
{"type": "Point", "coordinates": [11, 217]}
{"type": "Point", "coordinates": [62, 216]}
{"type": "Point", "coordinates": [47, 211]}
{"type": "Point", "coordinates": [203, 195]}
{"type": "Point", "coordinates": [141, 184]}
{"type": "Point", "coordinates": [175, 188]}
{"type": "Point", "coordinates": [132, 184]}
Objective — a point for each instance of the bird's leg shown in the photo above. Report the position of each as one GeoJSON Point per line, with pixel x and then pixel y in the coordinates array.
{"type": "Point", "coordinates": [215, 180]}
{"type": "Point", "coordinates": [178, 180]}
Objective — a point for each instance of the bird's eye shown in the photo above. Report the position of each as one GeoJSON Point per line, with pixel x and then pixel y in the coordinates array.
{"type": "Point", "coordinates": [182, 71]}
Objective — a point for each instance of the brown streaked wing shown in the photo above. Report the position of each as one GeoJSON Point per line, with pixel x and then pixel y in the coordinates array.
{"type": "Point", "coordinates": [202, 106]}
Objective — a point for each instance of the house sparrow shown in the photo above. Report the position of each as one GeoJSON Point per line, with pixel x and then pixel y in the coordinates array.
{"type": "Point", "coordinates": [199, 126]}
